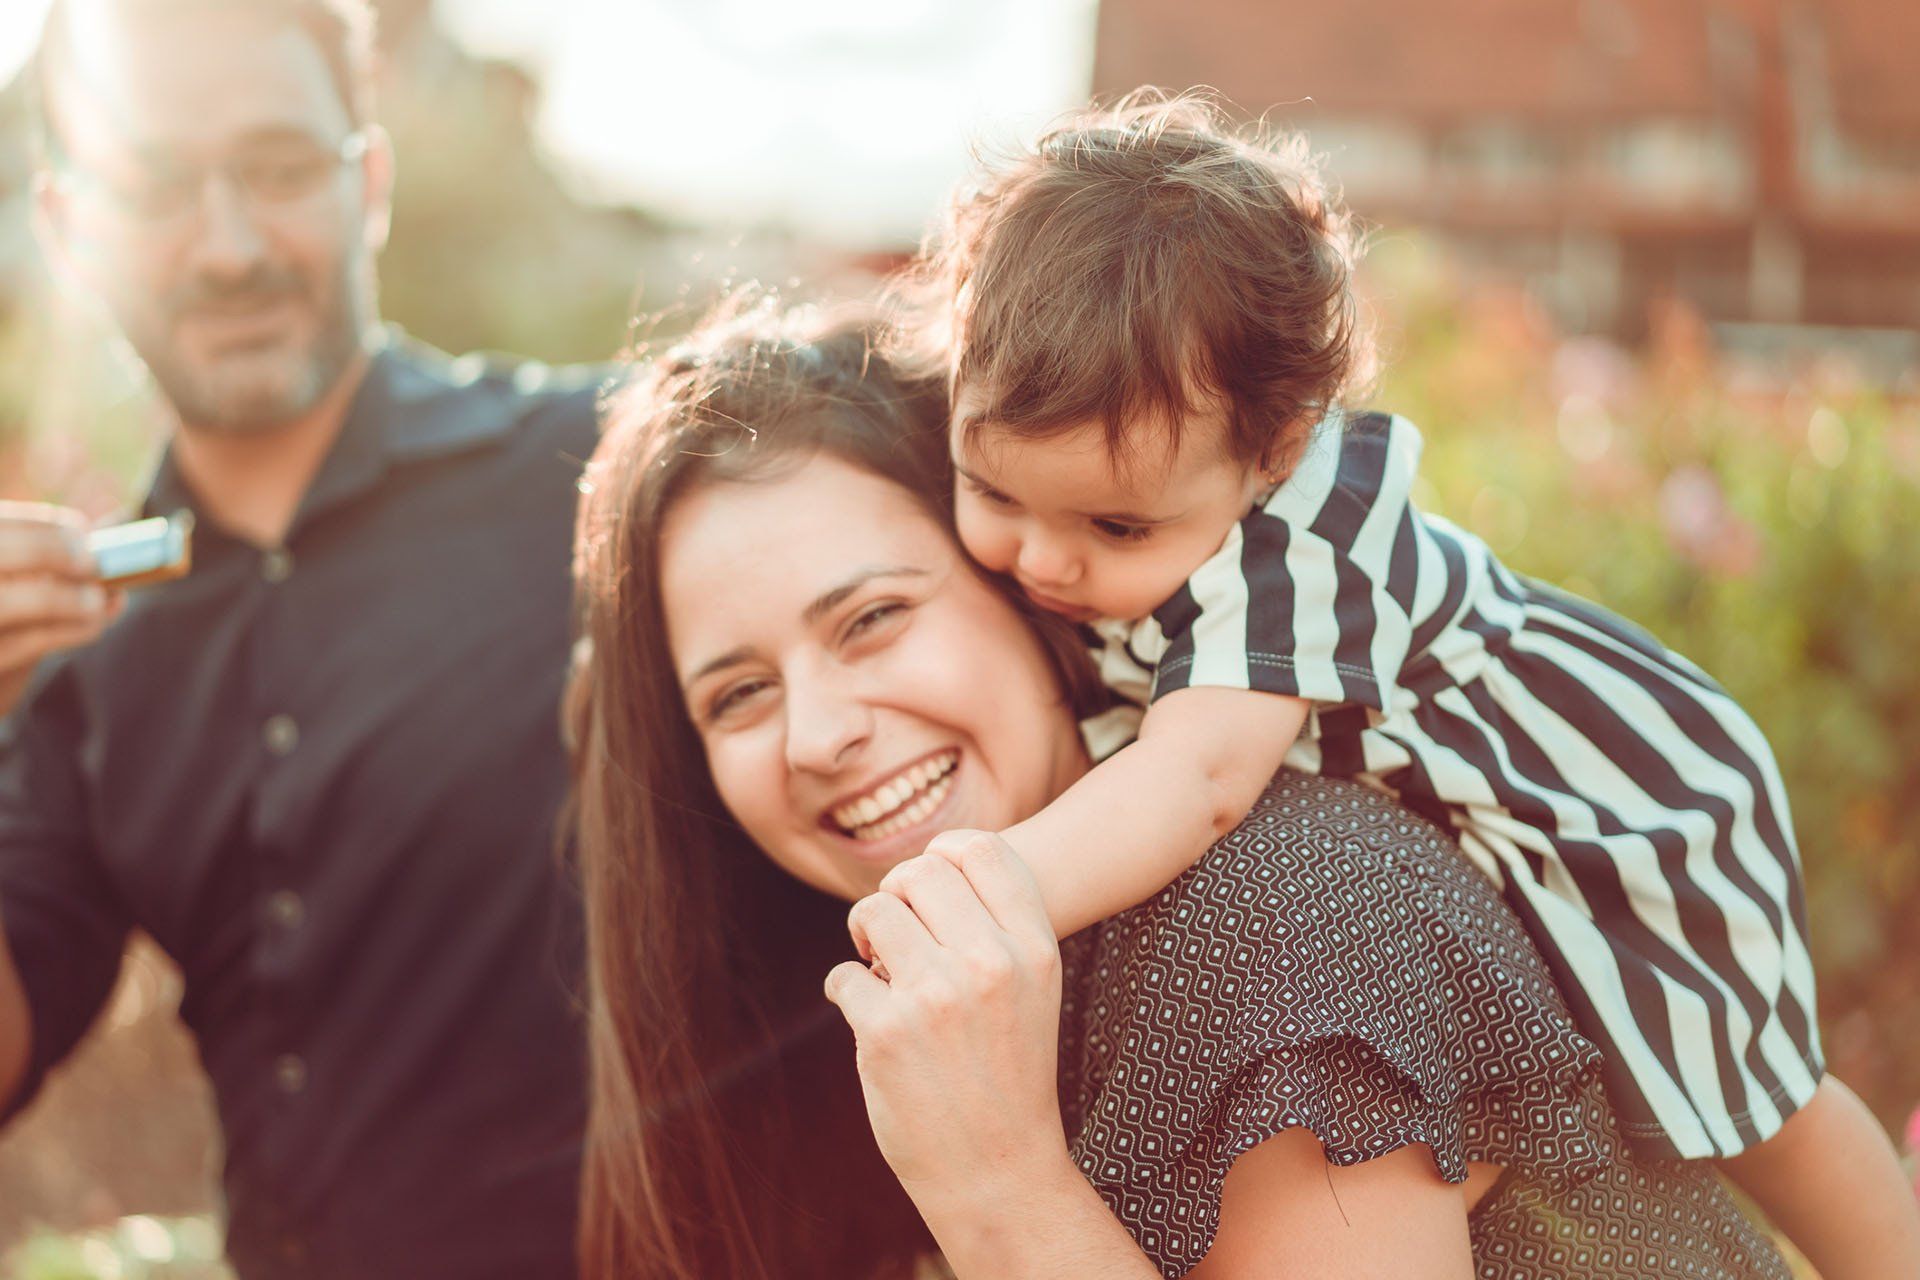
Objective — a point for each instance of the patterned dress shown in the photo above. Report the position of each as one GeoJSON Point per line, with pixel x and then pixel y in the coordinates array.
{"type": "Point", "coordinates": [1627, 807]}
{"type": "Point", "coordinates": [1335, 964]}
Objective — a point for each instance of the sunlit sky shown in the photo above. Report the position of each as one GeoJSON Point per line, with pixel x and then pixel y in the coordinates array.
{"type": "Point", "coordinates": [19, 26]}
{"type": "Point", "coordinates": [846, 119]}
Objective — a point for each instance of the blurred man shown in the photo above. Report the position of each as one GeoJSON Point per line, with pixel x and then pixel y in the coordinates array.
{"type": "Point", "coordinates": [321, 770]}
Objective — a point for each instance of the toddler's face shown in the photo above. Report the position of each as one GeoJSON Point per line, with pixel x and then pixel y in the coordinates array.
{"type": "Point", "coordinates": [1083, 537]}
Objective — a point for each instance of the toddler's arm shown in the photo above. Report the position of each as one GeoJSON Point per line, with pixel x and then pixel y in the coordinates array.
{"type": "Point", "coordinates": [1832, 1183]}
{"type": "Point", "coordinates": [1140, 818]}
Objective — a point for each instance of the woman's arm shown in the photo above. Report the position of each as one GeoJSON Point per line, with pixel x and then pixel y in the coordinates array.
{"type": "Point", "coordinates": [957, 1054]}
{"type": "Point", "coordinates": [1050, 1225]}
{"type": "Point", "coordinates": [1284, 1211]}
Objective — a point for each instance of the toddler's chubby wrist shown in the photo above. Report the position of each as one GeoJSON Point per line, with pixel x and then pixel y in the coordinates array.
{"type": "Point", "coordinates": [960, 843]}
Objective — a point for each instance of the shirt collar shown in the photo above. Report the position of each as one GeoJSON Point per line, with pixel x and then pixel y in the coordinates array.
{"type": "Point", "coordinates": [415, 402]}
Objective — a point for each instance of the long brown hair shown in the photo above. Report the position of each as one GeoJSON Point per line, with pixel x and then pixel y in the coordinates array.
{"type": "Point", "coordinates": [727, 1136]}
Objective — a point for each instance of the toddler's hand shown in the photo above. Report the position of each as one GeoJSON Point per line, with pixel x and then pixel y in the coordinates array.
{"type": "Point", "coordinates": [953, 845]}
{"type": "Point", "coordinates": [949, 845]}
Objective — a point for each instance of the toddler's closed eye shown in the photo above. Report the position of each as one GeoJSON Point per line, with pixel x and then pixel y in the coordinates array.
{"type": "Point", "coordinates": [989, 493]}
{"type": "Point", "coordinates": [1121, 532]}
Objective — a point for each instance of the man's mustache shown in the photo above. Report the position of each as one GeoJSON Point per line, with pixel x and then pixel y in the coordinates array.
{"type": "Point", "coordinates": [256, 288]}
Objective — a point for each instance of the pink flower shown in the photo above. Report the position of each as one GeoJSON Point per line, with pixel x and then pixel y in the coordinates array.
{"type": "Point", "coordinates": [1702, 528]}
{"type": "Point", "coordinates": [1595, 370]}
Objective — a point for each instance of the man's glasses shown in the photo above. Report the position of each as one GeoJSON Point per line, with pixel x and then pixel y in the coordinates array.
{"type": "Point", "coordinates": [275, 172]}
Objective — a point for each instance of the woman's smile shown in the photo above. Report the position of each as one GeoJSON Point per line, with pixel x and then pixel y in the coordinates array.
{"type": "Point", "coordinates": [899, 801]}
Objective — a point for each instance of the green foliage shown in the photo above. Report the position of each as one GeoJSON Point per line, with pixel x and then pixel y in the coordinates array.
{"type": "Point", "coordinates": [1765, 522]}
{"type": "Point", "coordinates": [488, 251]}
{"type": "Point", "coordinates": [137, 1248]}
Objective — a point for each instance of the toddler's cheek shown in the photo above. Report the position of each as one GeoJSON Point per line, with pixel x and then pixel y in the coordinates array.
{"type": "Point", "coordinates": [1135, 590]}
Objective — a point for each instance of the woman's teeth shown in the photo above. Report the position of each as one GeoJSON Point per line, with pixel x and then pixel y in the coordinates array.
{"type": "Point", "coordinates": [902, 802]}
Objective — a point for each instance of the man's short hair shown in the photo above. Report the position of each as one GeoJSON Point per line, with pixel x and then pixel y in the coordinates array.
{"type": "Point", "coordinates": [342, 30]}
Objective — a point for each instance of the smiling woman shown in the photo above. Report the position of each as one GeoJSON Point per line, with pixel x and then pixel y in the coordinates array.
{"type": "Point", "coordinates": [849, 720]}
{"type": "Point", "coordinates": [766, 422]}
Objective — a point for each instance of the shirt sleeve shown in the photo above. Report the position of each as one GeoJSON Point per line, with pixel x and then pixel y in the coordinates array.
{"type": "Point", "coordinates": [1307, 596]}
{"type": "Point", "coordinates": [1334, 964]}
{"type": "Point", "coordinates": [59, 915]}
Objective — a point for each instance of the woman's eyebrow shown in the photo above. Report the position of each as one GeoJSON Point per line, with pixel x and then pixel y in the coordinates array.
{"type": "Point", "coordinates": [731, 658]}
{"type": "Point", "coordinates": [827, 601]}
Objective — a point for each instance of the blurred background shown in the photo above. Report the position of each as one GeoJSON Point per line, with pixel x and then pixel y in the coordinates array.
{"type": "Point", "coordinates": [1646, 271]}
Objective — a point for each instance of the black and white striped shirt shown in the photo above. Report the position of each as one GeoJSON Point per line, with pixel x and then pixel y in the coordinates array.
{"type": "Point", "coordinates": [1631, 809]}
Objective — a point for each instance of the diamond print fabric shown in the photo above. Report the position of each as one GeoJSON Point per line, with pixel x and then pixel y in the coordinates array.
{"type": "Point", "coordinates": [1651, 1218]}
{"type": "Point", "coordinates": [1337, 964]}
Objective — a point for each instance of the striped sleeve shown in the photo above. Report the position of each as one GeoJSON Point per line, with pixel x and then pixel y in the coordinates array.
{"type": "Point", "coordinates": [1310, 594]}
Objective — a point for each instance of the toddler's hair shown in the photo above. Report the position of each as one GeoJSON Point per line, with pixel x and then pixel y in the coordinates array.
{"type": "Point", "coordinates": [1146, 261]}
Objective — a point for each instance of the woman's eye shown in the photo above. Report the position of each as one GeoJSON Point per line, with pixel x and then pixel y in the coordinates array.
{"type": "Point", "coordinates": [1124, 532]}
{"type": "Point", "coordinates": [868, 619]}
{"type": "Point", "coordinates": [734, 696]}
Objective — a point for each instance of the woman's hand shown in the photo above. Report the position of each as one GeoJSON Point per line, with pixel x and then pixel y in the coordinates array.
{"type": "Point", "coordinates": [958, 1049]}
{"type": "Point", "coordinates": [958, 1043]}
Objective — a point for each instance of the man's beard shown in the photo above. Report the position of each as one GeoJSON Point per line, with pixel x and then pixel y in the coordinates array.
{"type": "Point", "coordinates": [255, 393]}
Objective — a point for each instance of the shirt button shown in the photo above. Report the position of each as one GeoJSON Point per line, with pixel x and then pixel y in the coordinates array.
{"type": "Point", "coordinates": [282, 733]}
{"type": "Point", "coordinates": [290, 1072]}
{"type": "Point", "coordinates": [276, 565]}
{"type": "Point", "coordinates": [285, 909]}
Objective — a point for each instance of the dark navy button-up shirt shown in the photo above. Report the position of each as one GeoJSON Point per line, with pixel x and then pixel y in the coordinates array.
{"type": "Point", "coordinates": [324, 777]}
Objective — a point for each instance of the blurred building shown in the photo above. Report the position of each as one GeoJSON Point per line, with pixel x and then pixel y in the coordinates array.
{"type": "Point", "coordinates": [1757, 158]}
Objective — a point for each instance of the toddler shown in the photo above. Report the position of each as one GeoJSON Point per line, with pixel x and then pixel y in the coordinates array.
{"type": "Point", "coordinates": [1150, 330]}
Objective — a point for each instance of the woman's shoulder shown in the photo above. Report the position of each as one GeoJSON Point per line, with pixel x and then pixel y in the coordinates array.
{"type": "Point", "coordinates": [1320, 861]}
{"type": "Point", "coordinates": [1333, 964]}
{"type": "Point", "coordinates": [1332, 909]}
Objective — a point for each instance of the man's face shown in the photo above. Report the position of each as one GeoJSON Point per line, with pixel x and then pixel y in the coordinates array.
{"type": "Point", "coordinates": [211, 190]}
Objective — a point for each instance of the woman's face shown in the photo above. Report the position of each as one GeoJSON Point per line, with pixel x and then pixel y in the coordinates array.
{"type": "Point", "coordinates": [857, 685]}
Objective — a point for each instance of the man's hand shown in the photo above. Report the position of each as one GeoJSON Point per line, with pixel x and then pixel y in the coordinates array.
{"type": "Point", "coordinates": [50, 595]}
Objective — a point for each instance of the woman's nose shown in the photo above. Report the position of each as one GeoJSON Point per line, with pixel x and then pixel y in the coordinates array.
{"type": "Point", "coordinates": [826, 724]}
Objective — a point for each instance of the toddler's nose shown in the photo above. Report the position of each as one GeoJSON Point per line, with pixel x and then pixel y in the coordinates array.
{"type": "Point", "coordinates": [1045, 564]}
